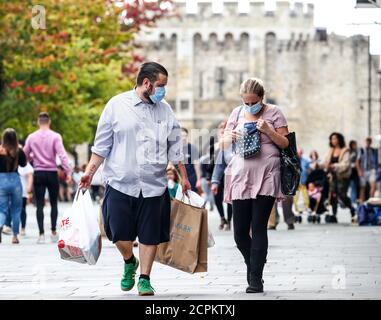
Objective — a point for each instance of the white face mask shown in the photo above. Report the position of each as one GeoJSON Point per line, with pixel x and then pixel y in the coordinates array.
{"type": "Point", "coordinates": [171, 184]}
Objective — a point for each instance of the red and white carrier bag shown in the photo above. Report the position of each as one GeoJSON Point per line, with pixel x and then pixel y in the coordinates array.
{"type": "Point", "coordinates": [80, 237]}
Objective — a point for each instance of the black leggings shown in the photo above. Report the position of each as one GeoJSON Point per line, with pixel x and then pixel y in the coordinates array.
{"type": "Point", "coordinates": [41, 181]}
{"type": "Point", "coordinates": [23, 213]}
{"type": "Point", "coordinates": [218, 200]}
{"type": "Point", "coordinates": [339, 190]}
{"type": "Point", "coordinates": [252, 213]}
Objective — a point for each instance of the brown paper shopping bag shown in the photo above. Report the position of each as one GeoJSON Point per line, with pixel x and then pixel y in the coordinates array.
{"type": "Point", "coordinates": [202, 264]}
{"type": "Point", "coordinates": [183, 250]}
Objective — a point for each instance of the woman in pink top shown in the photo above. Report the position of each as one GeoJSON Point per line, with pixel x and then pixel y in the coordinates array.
{"type": "Point", "coordinates": [252, 185]}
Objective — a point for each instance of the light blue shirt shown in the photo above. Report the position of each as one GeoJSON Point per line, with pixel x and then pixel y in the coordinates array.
{"type": "Point", "coordinates": [137, 140]}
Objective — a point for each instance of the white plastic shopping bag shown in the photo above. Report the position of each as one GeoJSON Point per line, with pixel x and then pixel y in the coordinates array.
{"type": "Point", "coordinates": [195, 200]}
{"type": "Point", "coordinates": [190, 197]}
{"type": "Point", "coordinates": [80, 237]}
{"type": "Point", "coordinates": [211, 241]}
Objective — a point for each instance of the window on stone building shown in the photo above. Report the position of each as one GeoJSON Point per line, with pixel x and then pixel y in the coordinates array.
{"type": "Point", "coordinates": [243, 75]}
{"type": "Point", "coordinates": [184, 105]}
{"type": "Point", "coordinates": [200, 85]}
{"type": "Point", "coordinates": [366, 4]}
{"type": "Point", "coordinates": [270, 101]}
{"type": "Point", "coordinates": [271, 57]}
{"type": "Point", "coordinates": [220, 80]}
{"type": "Point", "coordinates": [321, 34]}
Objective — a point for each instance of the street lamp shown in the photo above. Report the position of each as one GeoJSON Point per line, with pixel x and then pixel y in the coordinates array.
{"type": "Point", "coordinates": [379, 78]}
{"type": "Point", "coordinates": [369, 90]}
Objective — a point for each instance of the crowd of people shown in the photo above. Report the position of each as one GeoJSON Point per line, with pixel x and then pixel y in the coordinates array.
{"type": "Point", "coordinates": [244, 187]}
{"type": "Point", "coordinates": [347, 177]}
{"type": "Point", "coordinates": [29, 174]}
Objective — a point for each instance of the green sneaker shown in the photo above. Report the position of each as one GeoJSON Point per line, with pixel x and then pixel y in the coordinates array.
{"type": "Point", "coordinates": [145, 288]}
{"type": "Point", "coordinates": [128, 279]}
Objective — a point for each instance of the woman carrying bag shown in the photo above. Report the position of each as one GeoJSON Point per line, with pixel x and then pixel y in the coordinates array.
{"type": "Point", "coordinates": [338, 167]}
{"type": "Point", "coordinates": [253, 177]}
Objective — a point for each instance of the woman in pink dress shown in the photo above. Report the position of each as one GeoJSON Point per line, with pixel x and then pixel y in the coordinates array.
{"type": "Point", "coordinates": [253, 184]}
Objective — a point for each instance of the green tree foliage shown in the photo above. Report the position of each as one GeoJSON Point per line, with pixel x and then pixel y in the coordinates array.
{"type": "Point", "coordinates": [84, 56]}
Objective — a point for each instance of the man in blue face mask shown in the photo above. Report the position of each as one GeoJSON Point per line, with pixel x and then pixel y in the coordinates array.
{"type": "Point", "coordinates": [155, 92]}
{"type": "Point", "coordinates": [137, 135]}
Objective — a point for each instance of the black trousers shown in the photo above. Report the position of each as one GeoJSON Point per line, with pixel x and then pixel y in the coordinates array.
{"type": "Point", "coordinates": [218, 200]}
{"type": "Point", "coordinates": [254, 214]}
{"type": "Point", "coordinates": [43, 180]}
{"type": "Point", "coordinates": [339, 190]}
{"type": "Point", "coordinates": [288, 214]}
{"type": "Point", "coordinates": [23, 213]}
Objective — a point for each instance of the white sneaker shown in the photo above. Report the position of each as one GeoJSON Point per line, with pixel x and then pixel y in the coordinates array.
{"type": "Point", "coordinates": [7, 230]}
{"type": "Point", "coordinates": [54, 238]}
{"type": "Point", "coordinates": [41, 239]}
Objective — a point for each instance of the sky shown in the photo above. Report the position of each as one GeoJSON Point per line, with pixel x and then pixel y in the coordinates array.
{"type": "Point", "coordinates": [341, 17]}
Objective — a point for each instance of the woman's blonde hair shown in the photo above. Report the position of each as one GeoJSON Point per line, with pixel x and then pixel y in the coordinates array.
{"type": "Point", "coordinates": [253, 85]}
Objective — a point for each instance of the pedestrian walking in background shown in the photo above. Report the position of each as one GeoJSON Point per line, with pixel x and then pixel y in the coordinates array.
{"type": "Point", "coordinates": [97, 186]}
{"type": "Point", "coordinates": [314, 161]}
{"type": "Point", "coordinates": [11, 157]}
{"type": "Point", "coordinates": [41, 148]}
{"type": "Point", "coordinates": [288, 214]}
{"type": "Point", "coordinates": [354, 179]}
{"type": "Point", "coordinates": [367, 164]}
{"type": "Point", "coordinates": [253, 184]}
{"type": "Point", "coordinates": [318, 188]}
{"type": "Point", "coordinates": [223, 157]}
{"type": "Point", "coordinates": [76, 177]}
{"type": "Point", "coordinates": [302, 190]}
{"type": "Point", "coordinates": [338, 167]}
{"type": "Point", "coordinates": [137, 135]}
{"type": "Point", "coordinates": [173, 179]}
{"type": "Point", "coordinates": [378, 180]}
{"type": "Point", "coordinates": [63, 186]}
{"type": "Point", "coordinates": [191, 158]}
{"type": "Point", "coordinates": [207, 162]}
{"type": "Point", "coordinates": [26, 176]}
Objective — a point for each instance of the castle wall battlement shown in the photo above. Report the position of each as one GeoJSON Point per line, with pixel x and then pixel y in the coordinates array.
{"type": "Point", "coordinates": [285, 20]}
{"type": "Point", "coordinates": [244, 7]}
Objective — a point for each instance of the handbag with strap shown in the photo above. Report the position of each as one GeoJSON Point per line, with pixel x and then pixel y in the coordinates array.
{"type": "Point", "coordinates": [290, 167]}
{"type": "Point", "coordinates": [249, 144]}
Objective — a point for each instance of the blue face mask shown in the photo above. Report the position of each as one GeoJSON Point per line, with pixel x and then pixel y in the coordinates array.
{"type": "Point", "coordinates": [158, 95]}
{"type": "Point", "coordinates": [253, 109]}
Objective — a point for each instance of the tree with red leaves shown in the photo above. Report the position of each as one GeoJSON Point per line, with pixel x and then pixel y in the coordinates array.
{"type": "Point", "coordinates": [70, 68]}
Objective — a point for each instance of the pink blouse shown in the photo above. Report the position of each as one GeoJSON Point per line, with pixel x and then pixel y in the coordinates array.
{"type": "Point", "coordinates": [259, 175]}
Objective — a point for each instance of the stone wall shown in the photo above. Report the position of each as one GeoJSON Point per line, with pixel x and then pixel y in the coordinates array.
{"type": "Point", "coordinates": [319, 81]}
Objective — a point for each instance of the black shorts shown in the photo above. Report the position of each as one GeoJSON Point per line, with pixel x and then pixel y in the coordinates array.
{"type": "Point", "coordinates": [126, 217]}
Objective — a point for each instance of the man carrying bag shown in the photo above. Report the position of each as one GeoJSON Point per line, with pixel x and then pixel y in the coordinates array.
{"type": "Point", "coordinates": [137, 136]}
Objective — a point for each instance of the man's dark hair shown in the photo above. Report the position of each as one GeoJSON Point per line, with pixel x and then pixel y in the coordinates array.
{"type": "Point", "coordinates": [43, 118]}
{"type": "Point", "coordinates": [340, 139]}
{"type": "Point", "coordinates": [185, 130]}
{"type": "Point", "coordinates": [369, 140]}
{"type": "Point", "coordinates": [151, 71]}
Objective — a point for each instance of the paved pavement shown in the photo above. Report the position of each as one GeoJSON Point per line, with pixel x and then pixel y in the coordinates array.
{"type": "Point", "coordinates": [311, 262]}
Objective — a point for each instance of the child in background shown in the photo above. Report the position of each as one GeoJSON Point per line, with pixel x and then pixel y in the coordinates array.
{"type": "Point", "coordinates": [314, 196]}
{"type": "Point", "coordinates": [26, 176]}
{"type": "Point", "coordinates": [173, 179]}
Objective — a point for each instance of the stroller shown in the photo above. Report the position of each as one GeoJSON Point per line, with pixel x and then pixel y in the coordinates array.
{"type": "Point", "coordinates": [318, 206]}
